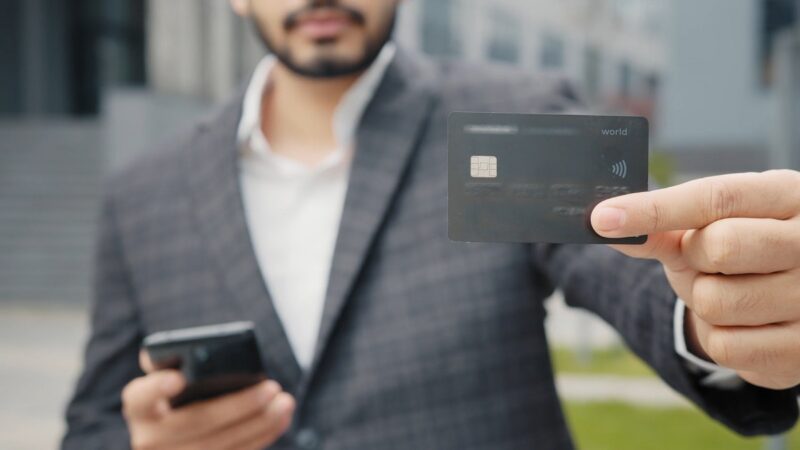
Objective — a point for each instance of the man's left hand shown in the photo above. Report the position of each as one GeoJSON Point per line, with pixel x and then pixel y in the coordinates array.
{"type": "Point", "coordinates": [730, 246]}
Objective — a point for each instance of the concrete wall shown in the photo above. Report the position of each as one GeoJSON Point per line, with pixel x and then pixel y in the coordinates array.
{"type": "Point", "coordinates": [135, 121]}
{"type": "Point", "coordinates": [785, 132]}
{"type": "Point", "coordinates": [712, 92]}
{"type": "Point", "coordinates": [50, 172]}
{"type": "Point", "coordinates": [198, 48]}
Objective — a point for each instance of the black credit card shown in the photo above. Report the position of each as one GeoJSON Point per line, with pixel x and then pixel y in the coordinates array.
{"type": "Point", "coordinates": [537, 177]}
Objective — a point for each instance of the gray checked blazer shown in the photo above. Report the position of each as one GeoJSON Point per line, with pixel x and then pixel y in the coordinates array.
{"type": "Point", "coordinates": [424, 343]}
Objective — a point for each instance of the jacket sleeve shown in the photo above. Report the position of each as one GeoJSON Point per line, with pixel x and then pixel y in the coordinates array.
{"type": "Point", "coordinates": [94, 414]}
{"type": "Point", "coordinates": [635, 297]}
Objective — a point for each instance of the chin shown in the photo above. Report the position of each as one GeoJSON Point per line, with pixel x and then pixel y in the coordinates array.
{"type": "Point", "coordinates": [347, 42]}
{"type": "Point", "coordinates": [346, 54]}
{"type": "Point", "coordinates": [328, 52]}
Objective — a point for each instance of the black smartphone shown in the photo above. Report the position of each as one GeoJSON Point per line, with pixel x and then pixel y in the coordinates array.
{"type": "Point", "coordinates": [215, 359]}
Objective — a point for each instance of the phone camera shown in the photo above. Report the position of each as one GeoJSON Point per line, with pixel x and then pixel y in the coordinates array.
{"type": "Point", "coordinates": [200, 354]}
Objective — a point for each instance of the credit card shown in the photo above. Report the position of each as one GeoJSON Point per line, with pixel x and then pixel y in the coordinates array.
{"type": "Point", "coordinates": [537, 177]}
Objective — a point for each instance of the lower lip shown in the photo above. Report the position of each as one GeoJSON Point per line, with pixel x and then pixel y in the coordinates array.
{"type": "Point", "coordinates": [323, 29]}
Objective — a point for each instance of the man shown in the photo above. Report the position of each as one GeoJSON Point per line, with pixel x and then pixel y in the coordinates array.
{"type": "Point", "coordinates": [314, 205]}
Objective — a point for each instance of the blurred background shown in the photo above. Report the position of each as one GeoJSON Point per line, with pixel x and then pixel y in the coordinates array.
{"type": "Point", "coordinates": [86, 85]}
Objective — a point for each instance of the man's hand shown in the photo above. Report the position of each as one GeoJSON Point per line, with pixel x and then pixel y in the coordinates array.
{"type": "Point", "coordinates": [250, 419]}
{"type": "Point", "coordinates": [730, 246]}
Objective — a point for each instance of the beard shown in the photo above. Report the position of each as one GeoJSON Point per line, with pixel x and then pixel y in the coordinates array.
{"type": "Point", "coordinates": [327, 65]}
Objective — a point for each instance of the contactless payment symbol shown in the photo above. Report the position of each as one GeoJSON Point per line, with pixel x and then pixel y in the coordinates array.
{"type": "Point", "coordinates": [620, 169]}
{"type": "Point", "coordinates": [483, 167]}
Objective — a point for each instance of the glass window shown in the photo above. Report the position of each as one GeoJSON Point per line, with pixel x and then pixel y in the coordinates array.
{"type": "Point", "coordinates": [592, 72]}
{"type": "Point", "coordinates": [64, 54]}
{"type": "Point", "coordinates": [552, 52]}
{"type": "Point", "coordinates": [438, 31]}
{"type": "Point", "coordinates": [505, 37]}
{"type": "Point", "coordinates": [777, 15]}
{"type": "Point", "coordinates": [109, 40]}
{"type": "Point", "coordinates": [653, 82]}
{"type": "Point", "coordinates": [625, 79]}
{"type": "Point", "coordinates": [11, 58]}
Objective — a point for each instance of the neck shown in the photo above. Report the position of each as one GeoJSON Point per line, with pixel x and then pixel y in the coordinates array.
{"type": "Point", "coordinates": [297, 114]}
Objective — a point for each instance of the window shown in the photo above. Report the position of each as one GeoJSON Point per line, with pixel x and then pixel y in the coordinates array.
{"type": "Point", "coordinates": [653, 82]}
{"type": "Point", "coordinates": [592, 72]}
{"type": "Point", "coordinates": [552, 52]}
{"type": "Point", "coordinates": [11, 58]}
{"type": "Point", "coordinates": [505, 37]}
{"type": "Point", "coordinates": [777, 16]}
{"type": "Point", "coordinates": [108, 43]}
{"type": "Point", "coordinates": [63, 54]}
{"type": "Point", "coordinates": [438, 33]}
{"type": "Point", "coordinates": [625, 79]}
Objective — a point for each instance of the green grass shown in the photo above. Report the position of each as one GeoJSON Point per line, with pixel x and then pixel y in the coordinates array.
{"type": "Point", "coordinates": [622, 426]}
{"type": "Point", "coordinates": [662, 169]}
{"type": "Point", "coordinates": [612, 361]}
{"type": "Point", "coordinates": [619, 426]}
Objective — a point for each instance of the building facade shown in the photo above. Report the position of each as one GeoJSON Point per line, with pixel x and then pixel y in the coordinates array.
{"type": "Point", "coordinates": [57, 56]}
{"type": "Point", "coordinates": [725, 101]}
{"type": "Point", "coordinates": [613, 50]}
{"type": "Point", "coordinates": [87, 84]}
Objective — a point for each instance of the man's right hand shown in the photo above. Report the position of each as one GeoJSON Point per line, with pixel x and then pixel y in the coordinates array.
{"type": "Point", "coordinates": [249, 419]}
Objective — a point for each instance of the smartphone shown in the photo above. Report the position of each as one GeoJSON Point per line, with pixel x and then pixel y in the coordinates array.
{"type": "Point", "coordinates": [215, 359]}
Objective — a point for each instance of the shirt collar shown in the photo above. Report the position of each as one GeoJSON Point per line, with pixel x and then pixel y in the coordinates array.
{"type": "Point", "coordinates": [346, 117]}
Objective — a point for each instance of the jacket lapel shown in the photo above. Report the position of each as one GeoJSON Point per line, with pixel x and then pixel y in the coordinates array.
{"type": "Point", "coordinates": [386, 139]}
{"type": "Point", "coordinates": [212, 169]}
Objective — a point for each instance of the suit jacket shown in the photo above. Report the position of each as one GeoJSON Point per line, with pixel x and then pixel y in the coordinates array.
{"type": "Point", "coordinates": [424, 343]}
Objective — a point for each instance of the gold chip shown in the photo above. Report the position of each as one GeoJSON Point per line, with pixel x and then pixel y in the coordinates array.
{"type": "Point", "coordinates": [483, 167]}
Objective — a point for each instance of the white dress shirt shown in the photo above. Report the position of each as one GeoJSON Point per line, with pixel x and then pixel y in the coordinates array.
{"type": "Point", "coordinates": [715, 375]}
{"type": "Point", "coordinates": [293, 210]}
{"type": "Point", "coordinates": [293, 213]}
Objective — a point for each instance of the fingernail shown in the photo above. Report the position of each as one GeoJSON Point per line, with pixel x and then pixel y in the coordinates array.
{"type": "Point", "coordinates": [266, 393]}
{"type": "Point", "coordinates": [285, 404]}
{"type": "Point", "coordinates": [608, 219]}
{"type": "Point", "coordinates": [278, 404]}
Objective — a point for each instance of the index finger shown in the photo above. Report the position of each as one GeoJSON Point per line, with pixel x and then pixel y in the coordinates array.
{"type": "Point", "coordinates": [217, 413]}
{"type": "Point", "coordinates": [693, 205]}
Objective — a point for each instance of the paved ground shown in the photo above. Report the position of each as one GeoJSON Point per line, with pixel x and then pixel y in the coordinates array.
{"type": "Point", "coordinates": [598, 388]}
{"type": "Point", "coordinates": [40, 353]}
{"type": "Point", "coordinates": [571, 327]}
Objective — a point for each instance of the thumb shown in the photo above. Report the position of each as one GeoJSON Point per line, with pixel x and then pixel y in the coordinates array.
{"type": "Point", "coordinates": [148, 396]}
{"type": "Point", "coordinates": [665, 247]}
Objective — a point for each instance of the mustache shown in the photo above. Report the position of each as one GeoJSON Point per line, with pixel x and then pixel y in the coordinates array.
{"type": "Point", "coordinates": [354, 15]}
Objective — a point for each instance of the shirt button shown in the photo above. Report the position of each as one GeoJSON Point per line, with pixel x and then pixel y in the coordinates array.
{"type": "Point", "coordinates": [307, 439]}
